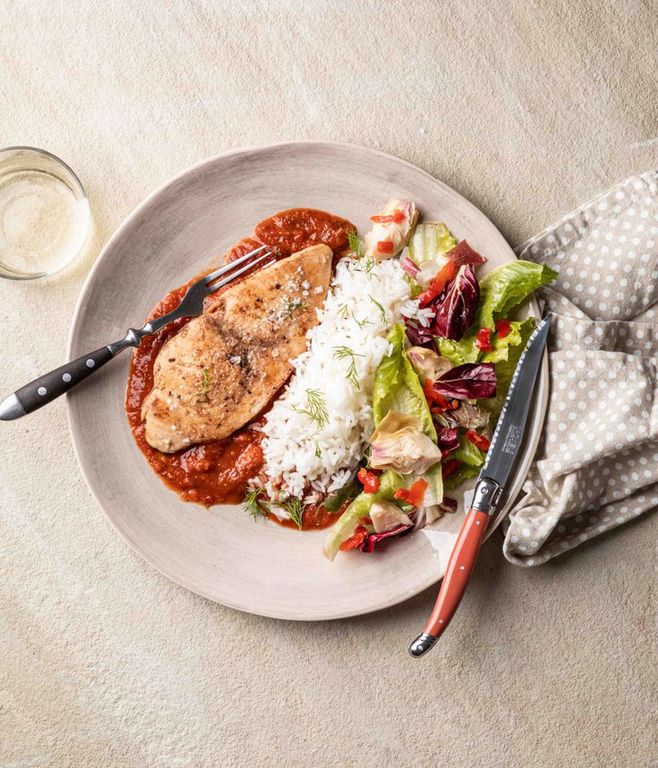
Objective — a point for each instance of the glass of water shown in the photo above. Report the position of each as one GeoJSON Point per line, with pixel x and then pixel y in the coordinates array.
{"type": "Point", "coordinates": [44, 214]}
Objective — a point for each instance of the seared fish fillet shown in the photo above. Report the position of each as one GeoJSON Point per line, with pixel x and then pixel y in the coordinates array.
{"type": "Point", "coordinates": [224, 367]}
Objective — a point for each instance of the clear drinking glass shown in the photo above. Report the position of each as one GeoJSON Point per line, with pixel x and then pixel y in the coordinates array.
{"type": "Point", "coordinates": [44, 214]}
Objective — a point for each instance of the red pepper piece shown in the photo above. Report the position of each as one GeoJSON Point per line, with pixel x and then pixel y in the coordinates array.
{"type": "Point", "coordinates": [438, 283]}
{"type": "Point", "coordinates": [428, 389]}
{"type": "Point", "coordinates": [447, 405]}
{"type": "Point", "coordinates": [355, 540]}
{"type": "Point", "coordinates": [478, 440]}
{"type": "Point", "coordinates": [450, 467]}
{"type": "Point", "coordinates": [503, 327]}
{"type": "Point", "coordinates": [414, 494]}
{"type": "Point", "coordinates": [385, 246]}
{"type": "Point", "coordinates": [483, 339]}
{"type": "Point", "coordinates": [368, 480]}
{"type": "Point", "coordinates": [397, 217]}
{"type": "Point", "coordinates": [438, 403]}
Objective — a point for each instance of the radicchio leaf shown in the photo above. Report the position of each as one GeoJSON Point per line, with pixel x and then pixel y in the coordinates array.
{"type": "Point", "coordinates": [462, 254]}
{"type": "Point", "coordinates": [455, 308]}
{"type": "Point", "coordinates": [471, 381]}
{"type": "Point", "coordinates": [373, 539]}
{"type": "Point", "coordinates": [448, 504]}
{"type": "Point", "coordinates": [409, 266]}
{"type": "Point", "coordinates": [448, 439]}
{"type": "Point", "coordinates": [417, 335]}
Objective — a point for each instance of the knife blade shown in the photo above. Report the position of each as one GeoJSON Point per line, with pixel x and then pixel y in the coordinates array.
{"type": "Point", "coordinates": [492, 481]}
{"type": "Point", "coordinates": [509, 430]}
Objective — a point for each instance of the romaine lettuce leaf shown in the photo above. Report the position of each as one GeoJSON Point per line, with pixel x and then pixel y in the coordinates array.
{"type": "Point", "coordinates": [501, 347]}
{"type": "Point", "coordinates": [429, 241]}
{"type": "Point", "coordinates": [397, 386]}
{"type": "Point", "coordinates": [468, 453]}
{"type": "Point", "coordinates": [505, 368]}
{"type": "Point", "coordinates": [462, 474]}
{"type": "Point", "coordinates": [458, 352]}
{"type": "Point", "coordinates": [344, 527]}
{"type": "Point", "coordinates": [507, 286]}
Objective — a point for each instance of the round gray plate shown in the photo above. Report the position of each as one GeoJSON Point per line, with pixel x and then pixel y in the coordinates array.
{"type": "Point", "coordinates": [180, 229]}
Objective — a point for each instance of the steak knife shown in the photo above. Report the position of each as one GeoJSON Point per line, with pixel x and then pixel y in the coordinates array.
{"type": "Point", "coordinates": [490, 487]}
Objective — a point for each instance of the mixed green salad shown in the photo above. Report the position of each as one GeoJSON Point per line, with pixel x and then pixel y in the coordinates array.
{"type": "Point", "coordinates": [438, 392]}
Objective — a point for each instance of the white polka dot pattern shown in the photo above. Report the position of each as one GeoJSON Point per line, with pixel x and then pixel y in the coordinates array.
{"type": "Point", "coordinates": [597, 463]}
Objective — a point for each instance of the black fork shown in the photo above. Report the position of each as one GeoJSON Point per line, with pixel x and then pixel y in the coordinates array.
{"type": "Point", "coordinates": [55, 383]}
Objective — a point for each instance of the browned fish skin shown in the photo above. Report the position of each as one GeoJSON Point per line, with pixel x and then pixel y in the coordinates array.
{"type": "Point", "coordinates": [224, 367]}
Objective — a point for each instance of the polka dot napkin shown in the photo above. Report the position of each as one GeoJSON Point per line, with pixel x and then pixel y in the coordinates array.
{"type": "Point", "coordinates": [597, 463]}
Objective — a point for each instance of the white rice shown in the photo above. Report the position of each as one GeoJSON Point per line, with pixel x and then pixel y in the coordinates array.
{"type": "Point", "coordinates": [301, 457]}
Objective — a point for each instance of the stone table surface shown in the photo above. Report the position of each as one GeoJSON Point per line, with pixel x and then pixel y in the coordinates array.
{"type": "Point", "coordinates": [526, 108]}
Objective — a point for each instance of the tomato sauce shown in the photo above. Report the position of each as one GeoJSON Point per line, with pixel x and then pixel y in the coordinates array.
{"type": "Point", "coordinates": [218, 472]}
{"type": "Point", "coordinates": [298, 228]}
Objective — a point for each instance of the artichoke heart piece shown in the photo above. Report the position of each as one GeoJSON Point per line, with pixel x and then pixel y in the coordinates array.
{"type": "Point", "coordinates": [386, 515]}
{"type": "Point", "coordinates": [427, 364]}
{"type": "Point", "coordinates": [400, 445]}
{"type": "Point", "coordinates": [392, 229]}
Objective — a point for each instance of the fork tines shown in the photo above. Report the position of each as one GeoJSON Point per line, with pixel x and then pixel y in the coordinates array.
{"type": "Point", "coordinates": [245, 263]}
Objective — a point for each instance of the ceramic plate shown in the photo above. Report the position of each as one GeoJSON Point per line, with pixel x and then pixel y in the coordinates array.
{"type": "Point", "coordinates": [179, 230]}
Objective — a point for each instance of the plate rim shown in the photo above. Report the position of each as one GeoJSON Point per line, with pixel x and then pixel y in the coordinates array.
{"type": "Point", "coordinates": [540, 395]}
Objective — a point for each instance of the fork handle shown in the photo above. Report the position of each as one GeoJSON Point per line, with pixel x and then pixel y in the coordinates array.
{"type": "Point", "coordinates": [51, 385]}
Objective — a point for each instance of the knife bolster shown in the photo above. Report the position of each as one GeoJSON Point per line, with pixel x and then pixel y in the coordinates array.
{"type": "Point", "coordinates": [486, 496]}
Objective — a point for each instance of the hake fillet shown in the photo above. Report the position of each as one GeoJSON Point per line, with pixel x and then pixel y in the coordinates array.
{"type": "Point", "coordinates": [224, 367]}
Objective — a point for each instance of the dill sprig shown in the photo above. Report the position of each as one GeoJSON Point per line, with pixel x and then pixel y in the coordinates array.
{"type": "Point", "coordinates": [316, 408]}
{"type": "Point", "coordinates": [343, 311]}
{"type": "Point", "coordinates": [318, 452]}
{"type": "Point", "coordinates": [295, 509]}
{"type": "Point", "coordinates": [345, 353]}
{"type": "Point", "coordinates": [358, 249]}
{"type": "Point", "coordinates": [360, 323]}
{"type": "Point", "coordinates": [355, 244]}
{"type": "Point", "coordinates": [380, 308]}
{"type": "Point", "coordinates": [202, 394]}
{"type": "Point", "coordinates": [255, 502]}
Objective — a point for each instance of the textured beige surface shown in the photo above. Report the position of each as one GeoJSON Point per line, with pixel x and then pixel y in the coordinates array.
{"type": "Point", "coordinates": [528, 110]}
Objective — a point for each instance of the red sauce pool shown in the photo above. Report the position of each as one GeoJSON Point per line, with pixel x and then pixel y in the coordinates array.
{"type": "Point", "coordinates": [298, 228]}
{"type": "Point", "coordinates": [218, 472]}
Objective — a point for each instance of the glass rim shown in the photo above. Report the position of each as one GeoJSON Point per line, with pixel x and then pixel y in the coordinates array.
{"type": "Point", "coordinates": [5, 271]}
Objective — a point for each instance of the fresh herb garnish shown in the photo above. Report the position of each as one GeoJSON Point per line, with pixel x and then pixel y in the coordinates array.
{"type": "Point", "coordinates": [380, 308]}
{"type": "Point", "coordinates": [316, 408]}
{"type": "Point", "coordinates": [355, 244]}
{"type": "Point", "coordinates": [202, 394]}
{"type": "Point", "coordinates": [294, 508]}
{"type": "Point", "coordinates": [255, 502]}
{"type": "Point", "coordinates": [343, 311]}
{"type": "Point", "coordinates": [358, 249]}
{"type": "Point", "coordinates": [368, 265]}
{"type": "Point", "coordinates": [360, 323]}
{"type": "Point", "coordinates": [344, 353]}
{"type": "Point", "coordinates": [318, 452]}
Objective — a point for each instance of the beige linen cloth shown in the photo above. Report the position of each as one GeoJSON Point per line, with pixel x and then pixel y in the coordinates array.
{"type": "Point", "coordinates": [597, 463]}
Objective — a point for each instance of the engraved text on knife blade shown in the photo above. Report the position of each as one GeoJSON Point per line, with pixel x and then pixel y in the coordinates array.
{"type": "Point", "coordinates": [512, 439]}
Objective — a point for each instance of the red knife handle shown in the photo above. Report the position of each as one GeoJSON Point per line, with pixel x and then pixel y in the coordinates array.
{"type": "Point", "coordinates": [460, 565]}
